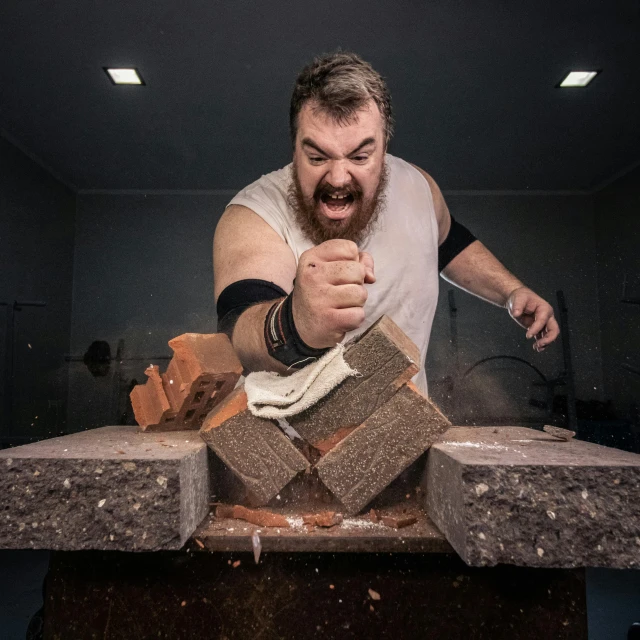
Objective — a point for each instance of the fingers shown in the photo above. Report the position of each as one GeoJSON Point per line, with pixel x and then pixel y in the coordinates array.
{"type": "Point", "coordinates": [547, 335]}
{"type": "Point", "coordinates": [347, 295]}
{"type": "Point", "coordinates": [367, 260]}
{"type": "Point", "coordinates": [335, 250]}
{"type": "Point", "coordinates": [338, 273]}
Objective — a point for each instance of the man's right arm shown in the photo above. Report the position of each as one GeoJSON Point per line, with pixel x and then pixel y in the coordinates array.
{"type": "Point", "coordinates": [329, 294]}
{"type": "Point", "coordinates": [246, 247]}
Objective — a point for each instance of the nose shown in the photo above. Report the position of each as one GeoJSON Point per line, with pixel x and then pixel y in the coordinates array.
{"type": "Point", "coordinates": [338, 176]}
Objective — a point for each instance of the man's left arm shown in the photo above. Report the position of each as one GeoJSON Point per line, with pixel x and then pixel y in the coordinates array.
{"type": "Point", "coordinates": [476, 270]}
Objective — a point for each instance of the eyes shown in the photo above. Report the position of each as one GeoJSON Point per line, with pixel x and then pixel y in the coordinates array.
{"type": "Point", "coordinates": [357, 159]}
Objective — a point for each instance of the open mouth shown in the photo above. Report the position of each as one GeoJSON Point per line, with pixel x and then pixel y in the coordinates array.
{"type": "Point", "coordinates": [337, 206]}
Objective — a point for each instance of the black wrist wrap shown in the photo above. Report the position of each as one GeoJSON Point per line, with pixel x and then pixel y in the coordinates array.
{"type": "Point", "coordinates": [282, 338]}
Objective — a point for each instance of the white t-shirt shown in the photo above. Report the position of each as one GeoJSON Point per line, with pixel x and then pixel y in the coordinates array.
{"type": "Point", "coordinates": [403, 244]}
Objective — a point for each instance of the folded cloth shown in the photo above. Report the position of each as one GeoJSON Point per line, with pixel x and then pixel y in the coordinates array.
{"type": "Point", "coordinates": [272, 396]}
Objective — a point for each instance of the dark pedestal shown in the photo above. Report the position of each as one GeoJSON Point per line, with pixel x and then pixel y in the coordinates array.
{"type": "Point", "coordinates": [109, 595]}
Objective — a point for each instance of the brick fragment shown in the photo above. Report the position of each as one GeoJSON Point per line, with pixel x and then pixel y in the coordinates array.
{"type": "Point", "coordinates": [513, 497]}
{"type": "Point", "coordinates": [202, 372]}
{"type": "Point", "coordinates": [398, 522]}
{"type": "Point", "coordinates": [386, 359]}
{"type": "Point", "coordinates": [558, 432]}
{"type": "Point", "coordinates": [324, 519]}
{"type": "Point", "coordinates": [254, 449]}
{"type": "Point", "coordinates": [373, 516]}
{"type": "Point", "coordinates": [375, 453]}
{"type": "Point", "coordinates": [254, 516]}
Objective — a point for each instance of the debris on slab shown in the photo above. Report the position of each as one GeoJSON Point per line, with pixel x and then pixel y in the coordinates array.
{"type": "Point", "coordinates": [374, 595]}
{"type": "Point", "coordinates": [254, 516]}
{"type": "Point", "coordinates": [398, 522]}
{"type": "Point", "coordinates": [323, 519]}
{"type": "Point", "coordinates": [557, 432]}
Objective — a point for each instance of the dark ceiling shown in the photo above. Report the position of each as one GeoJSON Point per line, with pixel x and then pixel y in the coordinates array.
{"type": "Point", "coordinates": [473, 86]}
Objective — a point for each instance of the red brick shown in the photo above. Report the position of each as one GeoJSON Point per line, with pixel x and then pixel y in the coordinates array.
{"type": "Point", "coordinates": [375, 453]}
{"type": "Point", "coordinates": [253, 449]}
{"type": "Point", "coordinates": [202, 372]}
{"type": "Point", "coordinates": [385, 359]}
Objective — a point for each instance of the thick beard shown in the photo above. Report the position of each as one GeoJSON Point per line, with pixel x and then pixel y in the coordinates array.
{"type": "Point", "coordinates": [356, 228]}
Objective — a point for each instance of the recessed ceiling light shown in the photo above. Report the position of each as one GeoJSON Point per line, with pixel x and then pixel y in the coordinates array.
{"type": "Point", "coordinates": [578, 78]}
{"type": "Point", "coordinates": [124, 76]}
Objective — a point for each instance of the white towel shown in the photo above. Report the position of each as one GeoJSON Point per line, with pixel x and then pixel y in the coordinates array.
{"type": "Point", "coordinates": [272, 396]}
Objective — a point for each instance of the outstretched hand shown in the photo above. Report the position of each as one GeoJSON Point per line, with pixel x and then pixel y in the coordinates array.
{"type": "Point", "coordinates": [535, 315]}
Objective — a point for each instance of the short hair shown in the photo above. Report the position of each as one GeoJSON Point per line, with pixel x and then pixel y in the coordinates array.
{"type": "Point", "coordinates": [340, 83]}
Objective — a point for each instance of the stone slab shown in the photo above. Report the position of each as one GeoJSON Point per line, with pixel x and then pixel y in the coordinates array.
{"type": "Point", "coordinates": [386, 359]}
{"type": "Point", "coordinates": [520, 496]}
{"type": "Point", "coordinates": [106, 489]}
{"type": "Point", "coordinates": [375, 453]}
{"type": "Point", "coordinates": [253, 449]}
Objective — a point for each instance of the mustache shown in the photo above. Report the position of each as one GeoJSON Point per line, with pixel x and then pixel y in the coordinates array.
{"type": "Point", "coordinates": [352, 189]}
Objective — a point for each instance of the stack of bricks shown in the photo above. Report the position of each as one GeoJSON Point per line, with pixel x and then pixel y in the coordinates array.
{"type": "Point", "coordinates": [363, 434]}
{"type": "Point", "coordinates": [203, 371]}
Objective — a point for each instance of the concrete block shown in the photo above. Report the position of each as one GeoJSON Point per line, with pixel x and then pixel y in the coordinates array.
{"type": "Point", "coordinates": [386, 359]}
{"type": "Point", "coordinates": [255, 450]}
{"type": "Point", "coordinates": [520, 496]}
{"type": "Point", "coordinates": [108, 488]}
{"type": "Point", "coordinates": [377, 451]}
{"type": "Point", "coordinates": [203, 371]}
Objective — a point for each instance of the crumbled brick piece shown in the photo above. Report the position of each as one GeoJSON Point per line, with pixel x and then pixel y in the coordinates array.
{"type": "Point", "coordinates": [385, 359]}
{"type": "Point", "coordinates": [374, 595]}
{"type": "Point", "coordinates": [236, 564]}
{"type": "Point", "coordinates": [224, 511]}
{"type": "Point", "coordinates": [375, 453]}
{"type": "Point", "coordinates": [254, 449]}
{"type": "Point", "coordinates": [261, 518]}
{"type": "Point", "coordinates": [398, 522]}
{"type": "Point", "coordinates": [557, 432]}
{"type": "Point", "coordinates": [202, 372]}
{"type": "Point", "coordinates": [373, 516]}
{"type": "Point", "coordinates": [323, 519]}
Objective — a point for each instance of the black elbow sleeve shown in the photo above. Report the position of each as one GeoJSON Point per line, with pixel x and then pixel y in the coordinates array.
{"type": "Point", "coordinates": [239, 296]}
{"type": "Point", "coordinates": [458, 240]}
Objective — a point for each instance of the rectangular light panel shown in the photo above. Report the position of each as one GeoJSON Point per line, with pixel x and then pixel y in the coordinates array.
{"type": "Point", "coordinates": [124, 76]}
{"type": "Point", "coordinates": [578, 78]}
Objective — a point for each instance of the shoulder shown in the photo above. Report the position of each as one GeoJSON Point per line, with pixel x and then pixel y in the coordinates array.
{"type": "Point", "coordinates": [443, 216]}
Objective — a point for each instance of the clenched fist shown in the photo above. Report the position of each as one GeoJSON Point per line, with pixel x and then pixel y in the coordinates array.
{"type": "Point", "coordinates": [329, 292]}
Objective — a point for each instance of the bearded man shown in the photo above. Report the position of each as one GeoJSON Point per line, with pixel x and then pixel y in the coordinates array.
{"type": "Point", "coordinates": [314, 253]}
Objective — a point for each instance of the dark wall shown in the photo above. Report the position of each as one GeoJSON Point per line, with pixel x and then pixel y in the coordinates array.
{"type": "Point", "coordinates": [143, 274]}
{"type": "Point", "coordinates": [618, 234]}
{"type": "Point", "coordinates": [36, 241]}
{"type": "Point", "coordinates": [548, 242]}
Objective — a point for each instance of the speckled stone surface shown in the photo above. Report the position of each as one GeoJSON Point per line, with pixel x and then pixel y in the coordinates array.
{"type": "Point", "coordinates": [385, 359]}
{"type": "Point", "coordinates": [375, 453]}
{"type": "Point", "coordinates": [254, 450]}
{"type": "Point", "coordinates": [106, 489]}
{"type": "Point", "coordinates": [520, 496]}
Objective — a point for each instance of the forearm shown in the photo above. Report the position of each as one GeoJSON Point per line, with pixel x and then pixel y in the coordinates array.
{"type": "Point", "coordinates": [479, 272]}
{"type": "Point", "coordinates": [248, 340]}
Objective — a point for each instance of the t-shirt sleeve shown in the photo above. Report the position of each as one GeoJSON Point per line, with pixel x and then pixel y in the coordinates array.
{"type": "Point", "coordinates": [266, 200]}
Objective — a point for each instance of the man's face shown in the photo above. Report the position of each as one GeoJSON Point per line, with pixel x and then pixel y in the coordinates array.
{"type": "Point", "coordinates": [339, 173]}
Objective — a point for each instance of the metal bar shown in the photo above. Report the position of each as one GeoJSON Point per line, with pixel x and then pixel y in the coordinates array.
{"type": "Point", "coordinates": [572, 418]}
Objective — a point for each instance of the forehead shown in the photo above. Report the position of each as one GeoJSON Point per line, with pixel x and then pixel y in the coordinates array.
{"type": "Point", "coordinates": [317, 124]}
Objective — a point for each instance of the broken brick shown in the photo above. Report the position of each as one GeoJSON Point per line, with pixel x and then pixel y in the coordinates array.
{"type": "Point", "coordinates": [254, 516]}
{"type": "Point", "coordinates": [202, 372]}
{"type": "Point", "coordinates": [324, 519]}
{"type": "Point", "coordinates": [398, 522]}
{"type": "Point", "coordinates": [385, 359]}
{"type": "Point", "coordinates": [254, 449]}
{"type": "Point", "coordinates": [375, 453]}
{"type": "Point", "coordinates": [373, 516]}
